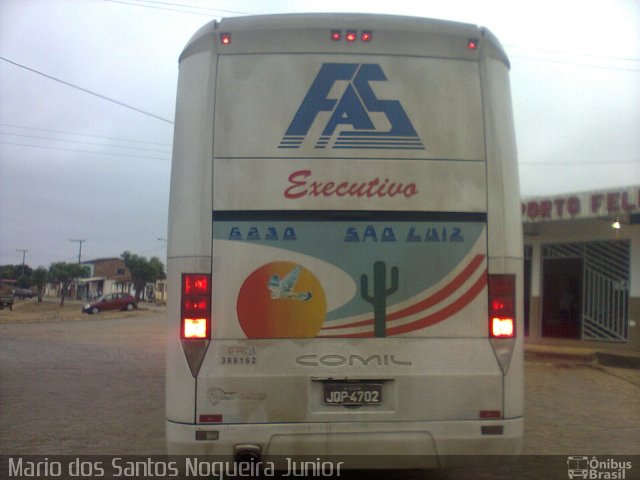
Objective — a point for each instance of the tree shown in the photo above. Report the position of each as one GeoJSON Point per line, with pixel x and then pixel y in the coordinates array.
{"type": "Point", "coordinates": [64, 273]}
{"type": "Point", "coordinates": [14, 272]}
{"type": "Point", "coordinates": [9, 272]}
{"type": "Point", "coordinates": [39, 278]}
{"type": "Point", "coordinates": [142, 271]}
{"type": "Point", "coordinates": [23, 281]}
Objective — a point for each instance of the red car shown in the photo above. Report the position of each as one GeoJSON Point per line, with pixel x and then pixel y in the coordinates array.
{"type": "Point", "coordinates": [111, 301]}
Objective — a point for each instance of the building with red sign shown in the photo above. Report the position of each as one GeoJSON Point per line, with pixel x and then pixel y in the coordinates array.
{"type": "Point", "coordinates": [582, 268]}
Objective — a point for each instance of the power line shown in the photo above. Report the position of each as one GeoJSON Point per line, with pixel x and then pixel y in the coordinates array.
{"type": "Point", "coordinates": [575, 54]}
{"type": "Point", "coordinates": [162, 247]}
{"type": "Point", "coordinates": [199, 8]}
{"type": "Point", "coordinates": [10, 125]}
{"type": "Point", "coordinates": [525, 164]}
{"type": "Point", "coordinates": [82, 151]}
{"type": "Point", "coordinates": [166, 6]}
{"type": "Point", "coordinates": [579, 64]}
{"type": "Point", "coordinates": [85, 143]}
{"type": "Point", "coordinates": [159, 8]}
{"type": "Point", "coordinates": [585, 56]}
{"type": "Point", "coordinates": [82, 89]}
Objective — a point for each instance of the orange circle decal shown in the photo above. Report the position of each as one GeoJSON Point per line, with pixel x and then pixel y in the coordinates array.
{"type": "Point", "coordinates": [281, 300]}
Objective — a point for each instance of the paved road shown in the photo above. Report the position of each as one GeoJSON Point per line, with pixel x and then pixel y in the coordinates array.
{"type": "Point", "coordinates": [96, 386]}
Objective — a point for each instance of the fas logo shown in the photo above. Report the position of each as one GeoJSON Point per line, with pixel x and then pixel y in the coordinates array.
{"type": "Point", "coordinates": [352, 110]}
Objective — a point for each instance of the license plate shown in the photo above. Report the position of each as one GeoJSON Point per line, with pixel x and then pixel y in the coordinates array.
{"type": "Point", "coordinates": [352, 393]}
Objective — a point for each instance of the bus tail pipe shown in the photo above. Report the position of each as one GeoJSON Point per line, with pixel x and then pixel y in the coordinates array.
{"type": "Point", "coordinates": [247, 453]}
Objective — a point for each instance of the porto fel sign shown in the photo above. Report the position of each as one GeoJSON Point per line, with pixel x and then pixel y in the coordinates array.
{"type": "Point", "coordinates": [608, 203]}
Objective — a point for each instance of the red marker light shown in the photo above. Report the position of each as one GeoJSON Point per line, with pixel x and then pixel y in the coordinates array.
{"type": "Point", "coordinates": [336, 35]}
{"type": "Point", "coordinates": [472, 44]}
{"type": "Point", "coordinates": [365, 36]}
{"type": "Point", "coordinates": [351, 36]}
{"type": "Point", "coordinates": [225, 38]}
{"type": "Point", "coordinates": [196, 284]}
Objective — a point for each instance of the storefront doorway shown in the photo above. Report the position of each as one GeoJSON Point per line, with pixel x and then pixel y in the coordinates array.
{"type": "Point", "coordinates": [585, 290]}
{"type": "Point", "coordinates": [562, 300]}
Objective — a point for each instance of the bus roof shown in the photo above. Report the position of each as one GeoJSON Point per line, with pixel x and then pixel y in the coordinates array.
{"type": "Point", "coordinates": [310, 33]}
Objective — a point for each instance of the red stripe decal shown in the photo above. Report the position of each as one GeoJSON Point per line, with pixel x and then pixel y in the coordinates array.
{"type": "Point", "coordinates": [446, 312]}
{"type": "Point", "coordinates": [443, 293]}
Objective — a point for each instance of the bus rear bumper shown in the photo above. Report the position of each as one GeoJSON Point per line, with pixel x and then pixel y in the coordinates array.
{"type": "Point", "coordinates": [359, 445]}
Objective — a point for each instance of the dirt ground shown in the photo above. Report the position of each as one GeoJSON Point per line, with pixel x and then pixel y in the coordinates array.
{"type": "Point", "coordinates": [30, 311]}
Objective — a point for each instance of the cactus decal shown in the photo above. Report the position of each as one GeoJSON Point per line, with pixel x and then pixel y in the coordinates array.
{"type": "Point", "coordinates": [380, 293]}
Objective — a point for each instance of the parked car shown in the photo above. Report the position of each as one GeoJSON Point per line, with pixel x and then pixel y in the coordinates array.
{"type": "Point", "coordinates": [23, 293]}
{"type": "Point", "coordinates": [6, 296]}
{"type": "Point", "coordinates": [111, 301]}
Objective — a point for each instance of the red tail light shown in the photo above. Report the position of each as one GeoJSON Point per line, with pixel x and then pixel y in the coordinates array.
{"type": "Point", "coordinates": [502, 301]}
{"type": "Point", "coordinates": [196, 306]}
{"type": "Point", "coordinates": [502, 327]}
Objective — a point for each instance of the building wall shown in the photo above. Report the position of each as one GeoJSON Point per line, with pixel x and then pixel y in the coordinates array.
{"type": "Point", "coordinates": [111, 268]}
{"type": "Point", "coordinates": [582, 230]}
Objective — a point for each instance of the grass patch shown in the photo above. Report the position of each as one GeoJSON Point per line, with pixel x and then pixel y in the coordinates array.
{"type": "Point", "coordinates": [30, 311]}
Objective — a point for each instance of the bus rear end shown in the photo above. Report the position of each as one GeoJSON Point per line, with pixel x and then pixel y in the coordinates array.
{"type": "Point", "coordinates": [345, 243]}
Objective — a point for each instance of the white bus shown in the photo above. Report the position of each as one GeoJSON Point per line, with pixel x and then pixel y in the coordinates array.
{"type": "Point", "coordinates": [345, 242]}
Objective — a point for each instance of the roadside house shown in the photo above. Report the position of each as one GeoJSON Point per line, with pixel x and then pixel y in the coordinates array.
{"type": "Point", "coordinates": [107, 275]}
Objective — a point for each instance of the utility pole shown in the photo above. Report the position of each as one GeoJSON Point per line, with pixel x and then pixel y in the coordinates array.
{"type": "Point", "coordinates": [24, 252]}
{"type": "Point", "coordinates": [79, 261]}
{"type": "Point", "coordinates": [79, 251]}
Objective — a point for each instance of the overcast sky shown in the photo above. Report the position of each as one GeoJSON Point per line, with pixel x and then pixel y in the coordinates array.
{"type": "Point", "coordinates": [74, 165]}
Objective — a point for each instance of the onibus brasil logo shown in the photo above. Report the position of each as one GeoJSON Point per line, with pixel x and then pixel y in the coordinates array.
{"type": "Point", "coordinates": [597, 468]}
{"type": "Point", "coordinates": [357, 118]}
